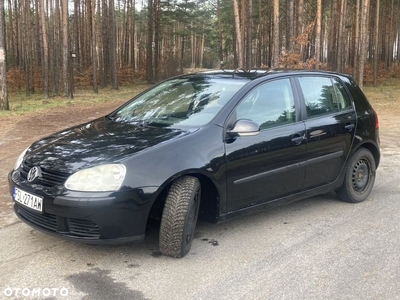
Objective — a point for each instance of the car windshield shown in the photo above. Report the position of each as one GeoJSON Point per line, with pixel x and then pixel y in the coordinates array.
{"type": "Point", "coordinates": [180, 102]}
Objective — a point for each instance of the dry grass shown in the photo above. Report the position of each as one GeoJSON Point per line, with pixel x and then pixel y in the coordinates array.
{"type": "Point", "coordinates": [385, 96]}
{"type": "Point", "coordinates": [386, 102]}
{"type": "Point", "coordinates": [21, 105]}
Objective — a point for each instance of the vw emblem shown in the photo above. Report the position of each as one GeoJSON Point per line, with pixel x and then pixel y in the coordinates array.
{"type": "Point", "coordinates": [34, 173]}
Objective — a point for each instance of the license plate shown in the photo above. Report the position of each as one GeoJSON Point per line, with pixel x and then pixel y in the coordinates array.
{"type": "Point", "coordinates": [28, 200]}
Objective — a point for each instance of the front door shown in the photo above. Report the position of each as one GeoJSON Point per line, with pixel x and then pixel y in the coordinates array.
{"type": "Point", "coordinates": [271, 164]}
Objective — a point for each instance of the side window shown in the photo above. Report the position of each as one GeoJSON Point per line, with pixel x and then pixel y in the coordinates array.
{"type": "Point", "coordinates": [319, 96]}
{"type": "Point", "coordinates": [269, 105]}
{"type": "Point", "coordinates": [342, 96]}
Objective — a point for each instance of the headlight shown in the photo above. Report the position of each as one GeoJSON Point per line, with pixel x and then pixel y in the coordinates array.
{"type": "Point", "coordinates": [104, 178]}
{"type": "Point", "coordinates": [20, 159]}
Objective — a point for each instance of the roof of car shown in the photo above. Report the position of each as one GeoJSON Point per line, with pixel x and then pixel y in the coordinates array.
{"type": "Point", "coordinates": [256, 73]}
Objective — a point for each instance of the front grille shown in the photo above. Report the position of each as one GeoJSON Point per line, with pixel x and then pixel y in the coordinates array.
{"type": "Point", "coordinates": [83, 228]}
{"type": "Point", "coordinates": [65, 226]}
{"type": "Point", "coordinates": [45, 221]}
{"type": "Point", "coordinates": [49, 178]}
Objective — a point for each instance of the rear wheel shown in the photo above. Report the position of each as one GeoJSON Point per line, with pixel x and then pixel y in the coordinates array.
{"type": "Point", "coordinates": [179, 217]}
{"type": "Point", "coordinates": [359, 178]}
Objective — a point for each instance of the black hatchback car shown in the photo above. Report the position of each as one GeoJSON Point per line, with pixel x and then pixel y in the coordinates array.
{"type": "Point", "coordinates": [212, 145]}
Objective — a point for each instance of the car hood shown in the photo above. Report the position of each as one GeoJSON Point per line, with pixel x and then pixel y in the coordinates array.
{"type": "Point", "coordinates": [97, 142]}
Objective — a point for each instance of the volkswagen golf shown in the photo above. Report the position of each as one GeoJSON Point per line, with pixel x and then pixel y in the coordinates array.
{"type": "Point", "coordinates": [210, 145]}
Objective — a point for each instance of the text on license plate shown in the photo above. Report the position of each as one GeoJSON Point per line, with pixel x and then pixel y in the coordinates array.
{"type": "Point", "coordinates": [28, 199]}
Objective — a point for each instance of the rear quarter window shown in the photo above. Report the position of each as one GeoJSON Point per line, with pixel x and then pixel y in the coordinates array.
{"type": "Point", "coordinates": [343, 99]}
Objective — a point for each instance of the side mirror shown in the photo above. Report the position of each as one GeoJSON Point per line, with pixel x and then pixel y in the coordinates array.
{"type": "Point", "coordinates": [244, 127]}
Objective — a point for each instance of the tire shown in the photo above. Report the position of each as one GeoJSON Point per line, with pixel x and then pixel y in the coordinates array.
{"type": "Point", "coordinates": [179, 217]}
{"type": "Point", "coordinates": [359, 177]}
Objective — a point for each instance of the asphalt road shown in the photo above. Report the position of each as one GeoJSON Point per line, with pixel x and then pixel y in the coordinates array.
{"type": "Point", "coordinates": [318, 248]}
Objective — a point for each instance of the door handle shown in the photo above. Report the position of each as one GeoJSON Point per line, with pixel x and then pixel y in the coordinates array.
{"type": "Point", "coordinates": [297, 139]}
{"type": "Point", "coordinates": [349, 127]}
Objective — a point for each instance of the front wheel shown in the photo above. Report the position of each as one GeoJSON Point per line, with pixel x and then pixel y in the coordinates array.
{"type": "Point", "coordinates": [179, 218]}
{"type": "Point", "coordinates": [359, 177]}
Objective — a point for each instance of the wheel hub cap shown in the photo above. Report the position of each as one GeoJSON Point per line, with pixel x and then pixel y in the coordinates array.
{"type": "Point", "coordinates": [360, 175]}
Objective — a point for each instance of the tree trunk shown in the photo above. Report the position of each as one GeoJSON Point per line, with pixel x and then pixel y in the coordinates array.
{"type": "Point", "coordinates": [65, 43]}
{"type": "Point", "coordinates": [364, 39]}
{"type": "Point", "coordinates": [275, 55]}
{"type": "Point", "coordinates": [333, 45]}
{"type": "Point", "coordinates": [105, 42]}
{"type": "Point", "coordinates": [299, 26]}
{"type": "Point", "coordinates": [391, 39]}
{"type": "Point", "coordinates": [341, 38]}
{"type": "Point", "coordinates": [259, 42]}
{"type": "Point", "coordinates": [318, 35]}
{"type": "Point", "coordinates": [3, 67]}
{"type": "Point", "coordinates": [113, 46]}
{"type": "Point", "coordinates": [150, 74]}
{"type": "Point", "coordinates": [87, 36]}
{"type": "Point", "coordinates": [376, 39]}
{"type": "Point", "coordinates": [157, 39]}
{"type": "Point", "coordinates": [26, 51]}
{"type": "Point", "coordinates": [220, 38]}
{"type": "Point", "coordinates": [249, 23]}
{"type": "Point", "coordinates": [289, 25]}
{"type": "Point", "coordinates": [94, 45]}
{"type": "Point", "coordinates": [100, 43]}
{"type": "Point", "coordinates": [243, 22]}
{"type": "Point", "coordinates": [134, 38]}
{"type": "Point", "coordinates": [123, 45]}
{"type": "Point", "coordinates": [238, 34]}
{"type": "Point", "coordinates": [202, 50]}
{"type": "Point", "coordinates": [76, 31]}
{"type": "Point", "coordinates": [356, 41]}
{"type": "Point", "coordinates": [11, 36]}
{"type": "Point", "coordinates": [235, 48]}
{"type": "Point", "coordinates": [57, 48]}
{"type": "Point", "coordinates": [45, 64]}
{"type": "Point", "coordinates": [192, 47]}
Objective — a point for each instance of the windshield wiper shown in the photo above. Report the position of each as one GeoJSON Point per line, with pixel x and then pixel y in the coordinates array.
{"type": "Point", "coordinates": [111, 118]}
{"type": "Point", "coordinates": [140, 123]}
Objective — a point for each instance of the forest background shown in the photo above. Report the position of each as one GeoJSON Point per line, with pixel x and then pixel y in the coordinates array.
{"type": "Point", "coordinates": [54, 46]}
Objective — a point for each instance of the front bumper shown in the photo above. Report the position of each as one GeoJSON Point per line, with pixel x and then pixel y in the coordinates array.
{"type": "Point", "coordinates": [93, 218]}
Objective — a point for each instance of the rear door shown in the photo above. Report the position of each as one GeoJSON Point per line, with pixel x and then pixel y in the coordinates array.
{"type": "Point", "coordinates": [330, 126]}
{"type": "Point", "coordinates": [271, 164]}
